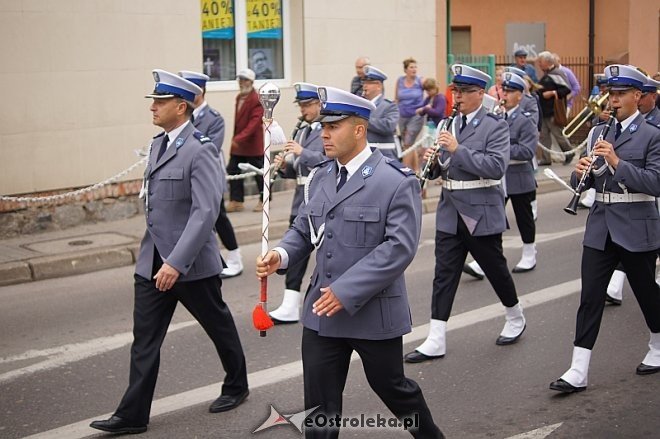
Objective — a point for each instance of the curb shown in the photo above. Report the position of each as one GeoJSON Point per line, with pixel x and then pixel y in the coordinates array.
{"type": "Point", "coordinates": [68, 264]}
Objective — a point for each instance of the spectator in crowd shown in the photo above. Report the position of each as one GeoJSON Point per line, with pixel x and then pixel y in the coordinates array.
{"type": "Point", "coordinates": [573, 84]}
{"type": "Point", "coordinates": [495, 90]}
{"type": "Point", "coordinates": [356, 82]}
{"type": "Point", "coordinates": [434, 104]}
{"type": "Point", "coordinates": [409, 96]}
{"type": "Point", "coordinates": [554, 86]}
{"type": "Point", "coordinates": [247, 145]}
{"type": "Point", "coordinates": [520, 56]}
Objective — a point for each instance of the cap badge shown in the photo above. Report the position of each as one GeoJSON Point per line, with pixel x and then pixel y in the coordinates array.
{"type": "Point", "coordinates": [458, 70]}
{"type": "Point", "coordinates": [507, 76]}
{"type": "Point", "coordinates": [614, 70]}
{"type": "Point", "coordinates": [323, 95]}
{"type": "Point", "coordinates": [367, 171]}
{"type": "Point", "coordinates": [297, 87]}
{"type": "Point", "coordinates": [156, 77]}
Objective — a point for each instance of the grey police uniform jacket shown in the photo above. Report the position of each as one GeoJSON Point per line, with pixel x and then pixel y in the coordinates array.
{"type": "Point", "coordinates": [530, 104]}
{"type": "Point", "coordinates": [523, 137]}
{"type": "Point", "coordinates": [372, 229]}
{"type": "Point", "coordinates": [653, 116]}
{"type": "Point", "coordinates": [312, 155]}
{"type": "Point", "coordinates": [182, 206]}
{"type": "Point", "coordinates": [633, 226]}
{"type": "Point", "coordinates": [483, 152]}
{"type": "Point", "coordinates": [210, 123]}
{"type": "Point", "coordinates": [383, 122]}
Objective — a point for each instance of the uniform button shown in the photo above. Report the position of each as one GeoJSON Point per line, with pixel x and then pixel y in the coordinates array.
{"type": "Point", "coordinates": [150, 209]}
{"type": "Point", "coordinates": [151, 192]}
{"type": "Point", "coordinates": [152, 177]}
{"type": "Point", "coordinates": [328, 255]}
{"type": "Point", "coordinates": [150, 224]}
{"type": "Point", "coordinates": [330, 235]}
{"type": "Point", "coordinates": [328, 275]}
{"type": "Point", "coordinates": [331, 216]}
{"type": "Point", "coordinates": [361, 216]}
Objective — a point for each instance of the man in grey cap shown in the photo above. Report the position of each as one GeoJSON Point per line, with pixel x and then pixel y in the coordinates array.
{"type": "Point", "coordinates": [520, 57]}
{"type": "Point", "coordinates": [178, 260]}
{"type": "Point", "coordinates": [384, 120]}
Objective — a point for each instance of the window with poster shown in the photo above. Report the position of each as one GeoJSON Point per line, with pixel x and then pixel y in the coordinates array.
{"type": "Point", "coordinates": [244, 33]}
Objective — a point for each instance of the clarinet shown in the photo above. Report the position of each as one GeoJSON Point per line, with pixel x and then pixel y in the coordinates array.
{"type": "Point", "coordinates": [281, 154]}
{"type": "Point", "coordinates": [572, 206]}
{"type": "Point", "coordinates": [445, 125]}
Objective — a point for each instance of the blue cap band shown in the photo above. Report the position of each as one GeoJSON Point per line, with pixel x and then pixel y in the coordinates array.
{"type": "Point", "coordinates": [622, 81]}
{"type": "Point", "coordinates": [331, 108]}
{"type": "Point", "coordinates": [199, 82]}
{"type": "Point", "coordinates": [306, 94]}
{"type": "Point", "coordinates": [462, 79]}
{"type": "Point", "coordinates": [170, 89]}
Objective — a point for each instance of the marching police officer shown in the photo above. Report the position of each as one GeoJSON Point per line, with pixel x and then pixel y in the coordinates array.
{"type": "Point", "coordinates": [471, 215]}
{"type": "Point", "coordinates": [363, 216]}
{"type": "Point", "coordinates": [210, 122]}
{"type": "Point", "coordinates": [529, 102]}
{"type": "Point", "coordinates": [651, 114]}
{"type": "Point", "coordinates": [178, 259]}
{"type": "Point", "coordinates": [307, 148]}
{"type": "Point", "coordinates": [623, 224]}
{"type": "Point", "coordinates": [384, 120]}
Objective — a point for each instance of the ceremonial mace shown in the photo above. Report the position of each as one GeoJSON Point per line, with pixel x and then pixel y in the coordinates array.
{"type": "Point", "coordinates": [269, 95]}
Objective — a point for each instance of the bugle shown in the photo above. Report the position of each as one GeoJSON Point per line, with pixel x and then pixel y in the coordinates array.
{"type": "Point", "coordinates": [592, 109]}
{"type": "Point", "coordinates": [572, 206]}
{"type": "Point", "coordinates": [444, 126]}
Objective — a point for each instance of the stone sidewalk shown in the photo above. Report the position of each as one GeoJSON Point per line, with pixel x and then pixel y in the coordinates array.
{"type": "Point", "coordinates": [92, 247]}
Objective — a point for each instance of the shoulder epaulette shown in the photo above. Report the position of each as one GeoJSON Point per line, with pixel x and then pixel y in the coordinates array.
{"type": "Point", "coordinates": [602, 122]}
{"type": "Point", "coordinates": [400, 167]}
{"type": "Point", "coordinates": [323, 163]}
{"type": "Point", "coordinates": [159, 134]}
{"type": "Point", "coordinates": [495, 116]}
{"type": "Point", "coordinates": [653, 123]}
{"type": "Point", "coordinates": [214, 112]}
{"type": "Point", "coordinates": [201, 137]}
{"type": "Point", "coordinates": [388, 101]}
{"type": "Point", "coordinates": [527, 113]}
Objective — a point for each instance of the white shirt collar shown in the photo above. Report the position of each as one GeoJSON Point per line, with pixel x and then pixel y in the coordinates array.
{"type": "Point", "coordinates": [354, 164]}
{"type": "Point", "coordinates": [199, 109]}
{"type": "Point", "coordinates": [511, 111]}
{"type": "Point", "coordinates": [624, 123]}
{"type": "Point", "coordinates": [175, 132]}
{"type": "Point", "coordinates": [470, 116]}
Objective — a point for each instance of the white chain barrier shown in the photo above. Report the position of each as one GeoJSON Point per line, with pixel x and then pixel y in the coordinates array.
{"type": "Point", "coordinates": [562, 154]}
{"type": "Point", "coordinates": [76, 193]}
{"type": "Point", "coordinates": [426, 140]}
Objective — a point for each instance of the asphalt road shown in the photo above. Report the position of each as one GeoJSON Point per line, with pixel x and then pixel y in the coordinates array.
{"type": "Point", "coordinates": [64, 347]}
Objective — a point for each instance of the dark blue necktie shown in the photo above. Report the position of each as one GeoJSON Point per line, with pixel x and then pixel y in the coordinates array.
{"type": "Point", "coordinates": [343, 176]}
{"type": "Point", "coordinates": [618, 131]}
{"type": "Point", "coordinates": [464, 122]}
{"type": "Point", "coordinates": [163, 147]}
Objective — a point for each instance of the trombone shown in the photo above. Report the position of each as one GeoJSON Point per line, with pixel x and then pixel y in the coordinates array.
{"type": "Point", "coordinates": [593, 108]}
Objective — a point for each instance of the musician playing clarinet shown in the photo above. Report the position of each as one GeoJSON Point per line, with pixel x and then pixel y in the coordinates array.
{"type": "Point", "coordinates": [470, 215]}
{"type": "Point", "coordinates": [623, 224]}
{"type": "Point", "coordinates": [306, 151]}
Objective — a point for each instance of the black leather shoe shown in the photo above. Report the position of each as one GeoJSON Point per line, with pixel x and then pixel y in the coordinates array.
{"type": "Point", "coordinates": [611, 300]}
{"type": "Point", "coordinates": [468, 270]}
{"type": "Point", "coordinates": [564, 387]}
{"type": "Point", "coordinates": [644, 369]}
{"type": "Point", "coordinates": [115, 424]}
{"type": "Point", "coordinates": [227, 402]}
{"type": "Point", "coordinates": [517, 269]}
{"type": "Point", "coordinates": [503, 341]}
{"type": "Point", "coordinates": [282, 322]}
{"type": "Point", "coordinates": [418, 357]}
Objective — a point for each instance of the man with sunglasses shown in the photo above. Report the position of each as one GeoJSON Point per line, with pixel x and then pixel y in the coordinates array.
{"type": "Point", "coordinates": [471, 215]}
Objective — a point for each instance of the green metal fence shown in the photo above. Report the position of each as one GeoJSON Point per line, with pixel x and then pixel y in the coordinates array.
{"type": "Point", "coordinates": [485, 63]}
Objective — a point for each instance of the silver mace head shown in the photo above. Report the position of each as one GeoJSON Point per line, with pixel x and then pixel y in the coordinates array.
{"type": "Point", "coordinates": [269, 95]}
